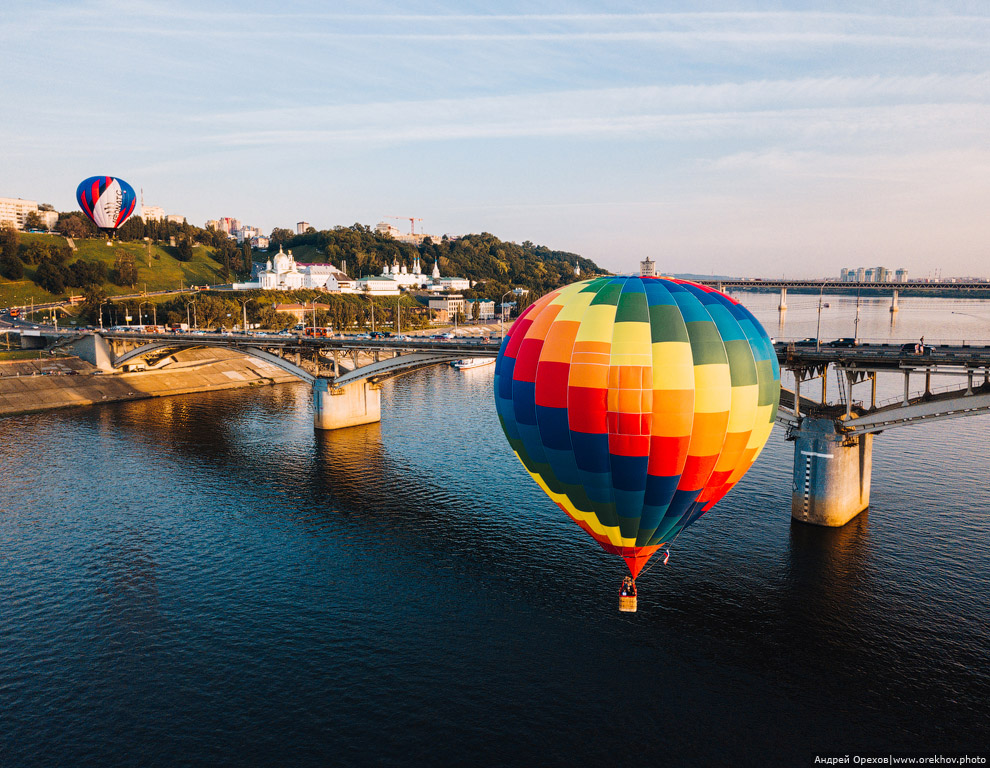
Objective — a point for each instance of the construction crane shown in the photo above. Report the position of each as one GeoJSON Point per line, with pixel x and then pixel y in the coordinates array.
{"type": "Point", "coordinates": [412, 222]}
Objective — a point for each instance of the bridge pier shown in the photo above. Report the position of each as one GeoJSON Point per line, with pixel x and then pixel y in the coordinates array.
{"type": "Point", "coordinates": [359, 402]}
{"type": "Point", "coordinates": [95, 351]}
{"type": "Point", "coordinates": [783, 300]}
{"type": "Point", "coordinates": [831, 474]}
{"type": "Point", "coordinates": [33, 341]}
{"type": "Point", "coordinates": [893, 303]}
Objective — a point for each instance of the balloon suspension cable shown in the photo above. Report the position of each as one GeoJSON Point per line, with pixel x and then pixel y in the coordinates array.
{"type": "Point", "coordinates": [666, 556]}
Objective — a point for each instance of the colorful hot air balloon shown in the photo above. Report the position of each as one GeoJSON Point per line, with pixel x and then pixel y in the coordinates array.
{"type": "Point", "coordinates": [108, 201]}
{"type": "Point", "coordinates": [636, 403]}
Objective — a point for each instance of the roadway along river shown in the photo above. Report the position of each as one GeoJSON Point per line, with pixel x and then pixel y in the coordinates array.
{"type": "Point", "coordinates": [204, 580]}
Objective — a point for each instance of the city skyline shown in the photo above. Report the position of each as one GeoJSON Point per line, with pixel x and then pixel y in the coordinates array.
{"type": "Point", "coordinates": [711, 140]}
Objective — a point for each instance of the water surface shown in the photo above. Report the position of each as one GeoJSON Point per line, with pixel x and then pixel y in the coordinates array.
{"type": "Point", "coordinates": [205, 580]}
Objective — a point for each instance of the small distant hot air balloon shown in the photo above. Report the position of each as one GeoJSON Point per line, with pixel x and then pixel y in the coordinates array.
{"type": "Point", "coordinates": [636, 403]}
{"type": "Point", "coordinates": [108, 201]}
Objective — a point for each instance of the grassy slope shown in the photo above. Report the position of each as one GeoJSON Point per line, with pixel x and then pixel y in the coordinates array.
{"type": "Point", "coordinates": [165, 271]}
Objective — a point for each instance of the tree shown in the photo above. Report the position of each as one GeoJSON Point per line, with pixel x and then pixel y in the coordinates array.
{"type": "Point", "coordinates": [11, 266]}
{"type": "Point", "coordinates": [132, 229]}
{"type": "Point", "coordinates": [33, 221]}
{"type": "Point", "coordinates": [74, 224]}
{"type": "Point", "coordinates": [86, 273]}
{"type": "Point", "coordinates": [9, 240]}
{"type": "Point", "coordinates": [51, 276]}
{"type": "Point", "coordinates": [279, 237]}
{"type": "Point", "coordinates": [93, 298]}
{"type": "Point", "coordinates": [124, 272]}
{"type": "Point", "coordinates": [34, 253]}
{"type": "Point", "coordinates": [184, 251]}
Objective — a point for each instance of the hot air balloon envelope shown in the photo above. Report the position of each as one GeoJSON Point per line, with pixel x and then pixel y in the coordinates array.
{"type": "Point", "coordinates": [636, 403]}
{"type": "Point", "coordinates": [108, 201]}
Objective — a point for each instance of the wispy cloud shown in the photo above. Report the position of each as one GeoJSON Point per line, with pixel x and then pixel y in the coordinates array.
{"type": "Point", "coordinates": [956, 106]}
{"type": "Point", "coordinates": [777, 28]}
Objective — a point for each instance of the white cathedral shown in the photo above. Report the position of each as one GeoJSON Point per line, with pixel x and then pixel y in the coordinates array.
{"type": "Point", "coordinates": [413, 278]}
{"type": "Point", "coordinates": [282, 273]}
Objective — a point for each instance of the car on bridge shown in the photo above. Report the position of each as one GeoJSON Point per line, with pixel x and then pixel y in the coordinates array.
{"type": "Point", "coordinates": [918, 348]}
{"type": "Point", "coordinates": [807, 342]}
{"type": "Point", "coordinates": [845, 342]}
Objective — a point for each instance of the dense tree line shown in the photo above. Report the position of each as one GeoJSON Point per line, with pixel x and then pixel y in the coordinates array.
{"type": "Point", "coordinates": [212, 310]}
{"type": "Point", "coordinates": [496, 266]}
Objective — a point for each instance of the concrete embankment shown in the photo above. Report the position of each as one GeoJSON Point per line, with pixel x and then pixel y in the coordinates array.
{"type": "Point", "coordinates": [38, 385]}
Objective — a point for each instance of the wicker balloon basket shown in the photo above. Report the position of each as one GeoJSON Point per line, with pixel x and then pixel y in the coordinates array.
{"type": "Point", "coordinates": [627, 604]}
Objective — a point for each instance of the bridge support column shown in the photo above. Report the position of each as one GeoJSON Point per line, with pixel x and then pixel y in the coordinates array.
{"type": "Point", "coordinates": [893, 303]}
{"type": "Point", "coordinates": [95, 351]}
{"type": "Point", "coordinates": [348, 406]}
{"type": "Point", "coordinates": [831, 479]}
{"type": "Point", "coordinates": [33, 342]}
{"type": "Point", "coordinates": [783, 300]}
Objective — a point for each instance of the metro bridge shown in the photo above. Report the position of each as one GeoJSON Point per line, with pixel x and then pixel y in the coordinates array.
{"type": "Point", "coordinates": [895, 289]}
{"type": "Point", "coordinates": [832, 436]}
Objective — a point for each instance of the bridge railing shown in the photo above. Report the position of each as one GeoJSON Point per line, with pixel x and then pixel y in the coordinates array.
{"type": "Point", "coordinates": [945, 388]}
{"type": "Point", "coordinates": [894, 343]}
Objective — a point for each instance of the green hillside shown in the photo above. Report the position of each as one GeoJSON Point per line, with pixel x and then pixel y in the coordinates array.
{"type": "Point", "coordinates": [156, 265]}
{"type": "Point", "coordinates": [157, 268]}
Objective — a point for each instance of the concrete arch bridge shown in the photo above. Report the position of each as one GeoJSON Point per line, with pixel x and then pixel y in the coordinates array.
{"type": "Point", "coordinates": [345, 373]}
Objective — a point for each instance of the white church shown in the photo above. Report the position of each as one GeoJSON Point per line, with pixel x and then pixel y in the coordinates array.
{"type": "Point", "coordinates": [282, 273]}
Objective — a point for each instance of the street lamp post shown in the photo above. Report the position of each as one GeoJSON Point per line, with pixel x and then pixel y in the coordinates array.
{"type": "Point", "coordinates": [501, 316]}
{"type": "Point", "coordinates": [818, 333]}
{"type": "Point", "coordinates": [244, 303]}
{"type": "Point", "coordinates": [856, 329]}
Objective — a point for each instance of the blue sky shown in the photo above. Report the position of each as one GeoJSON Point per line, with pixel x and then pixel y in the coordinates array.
{"type": "Point", "coordinates": [745, 138]}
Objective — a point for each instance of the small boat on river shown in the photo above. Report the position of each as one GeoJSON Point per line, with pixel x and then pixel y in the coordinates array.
{"type": "Point", "coordinates": [472, 362]}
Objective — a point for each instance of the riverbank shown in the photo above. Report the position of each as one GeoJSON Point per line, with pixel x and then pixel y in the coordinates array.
{"type": "Point", "coordinates": [62, 382]}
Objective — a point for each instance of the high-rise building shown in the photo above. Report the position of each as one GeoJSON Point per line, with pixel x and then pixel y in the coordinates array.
{"type": "Point", "coordinates": [228, 225]}
{"type": "Point", "coordinates": [302, 226]}
{"type": "Point", "coordinates": [152, 213]}
{"type": "Point", "coordinates": [901, 275]}
{"type": "Point", "coordinates": [860, 275]}
{"type": "Point", "coordinates": [844, 275]}
{"type": "Point", "coordinates": [647, 268]}
{"type": "Point", "coordinates": [14, 211]}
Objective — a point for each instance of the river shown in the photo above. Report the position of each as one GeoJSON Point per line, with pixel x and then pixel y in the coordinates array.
{"type": "Point", "coordinates": [204, 580]}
